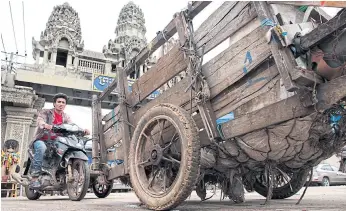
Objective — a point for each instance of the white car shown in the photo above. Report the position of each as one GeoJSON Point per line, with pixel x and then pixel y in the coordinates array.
{"type": "Point", "coordinates": [326, 175]}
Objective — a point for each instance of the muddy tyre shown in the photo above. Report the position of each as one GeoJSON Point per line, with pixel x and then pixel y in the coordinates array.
{"type": "Point", "coordinates": [102, 191]}
{"type": "Point", "coordinates": [297, 181]}
{"type": "Point", "coordinates": [78, 188]}
{"type": "Point", "coordinates": [31, 194]}
{"type": "Point", "coordinates": [164, 163]}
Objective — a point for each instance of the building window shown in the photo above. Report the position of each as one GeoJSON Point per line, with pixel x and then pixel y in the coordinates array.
{"type": "Point", "coordinates": [114, 68]}
{"type": "Point", "coordinates": [41, 53]}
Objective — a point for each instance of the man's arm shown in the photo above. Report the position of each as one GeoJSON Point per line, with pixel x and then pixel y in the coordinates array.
{"type": "Point", "coordinates": [41, 119]}
{"type": "Point", "coordinates": [68, 119]}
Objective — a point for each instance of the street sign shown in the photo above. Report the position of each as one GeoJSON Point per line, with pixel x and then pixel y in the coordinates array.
{"type": "Point", "coordinates": [101, 82]}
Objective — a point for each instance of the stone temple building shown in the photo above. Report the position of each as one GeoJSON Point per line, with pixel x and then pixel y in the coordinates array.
{"type": "Point", "coordinates": [61, 47]}
{"type": "Point", "coordinates": [62, 62]}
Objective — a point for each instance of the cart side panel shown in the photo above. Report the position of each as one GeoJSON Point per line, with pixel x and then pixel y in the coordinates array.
{"type": "Point", "coordinates": [213, 31]}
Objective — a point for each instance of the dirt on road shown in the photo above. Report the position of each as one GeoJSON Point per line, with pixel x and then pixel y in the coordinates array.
{"type": "Point", "coordinates": [316, 198]}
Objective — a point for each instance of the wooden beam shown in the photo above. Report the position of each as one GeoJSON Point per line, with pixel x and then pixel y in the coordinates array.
{"type": "Point", "coordinates": [175, 95]}
{"type": "Point", "coordinates": [125, 114]}
{"type": "Point", "coordinates": [213, 20]}
{"type": "Point", "coordinates": [116, 171]}
{"type": "Point", "coordinates": [167, 67]}
{"type": "Point", "coordinates": [159, 40]}
{"type": "Point", "coordinates": [111, 114]}
{"type": "Point", "coordinates": [312, 3]}
{"type": "Point", "coordinates": [112, 136]}
{"type": "Point", "coordinates": [305, 77]}
{"type": "Point", "coordinates": [181, 25]}
{"type": "Point", "coordinates": [249, 87]}
{"type": "Point", "coordinates": [239, 16]}
{"type": "Point", "coordinates": [197, 7]}
{"type": "Point", "coordinates": [115, 119]}
{"type": "Point", "coordinates": [327, 94]}
{"type": "Point", "coordinates": [323, 31]}
{"type": "Point", "coordinates": [284, 59]}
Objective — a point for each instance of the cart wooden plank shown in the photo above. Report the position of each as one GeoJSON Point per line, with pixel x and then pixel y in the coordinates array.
{"type": "Point", "coordinates": [312, 3]}
{"type": "Point", "coordinates": [241, 14]}
{"type": "Point", "coordinates": [324, 30]}
{"type": "Point", "coordinates": [167, 67]}
{"type": "Point", "coordinates": [328, 94]}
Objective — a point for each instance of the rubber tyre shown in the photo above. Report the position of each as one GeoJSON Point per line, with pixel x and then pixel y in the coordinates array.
{"type": "Point", "coordinates": [297, 182]}
{"type": "Point", "coordinates": [105, 193]}
{"type": "Point", "coordinates": [325, 182]}
{"type": "Point", "coordinates": [189, 168]}
{"type": "Point", "coordinates": [31, 195]}
{"type": "Point", "coordinates": [86, 182]}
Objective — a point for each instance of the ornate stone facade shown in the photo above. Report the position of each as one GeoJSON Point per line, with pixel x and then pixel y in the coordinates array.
{"type": "Point", "coordinates": [130, 30]}
{"type": "Point", "coordinates": [18, 95]}
{"type": "Point", "coordinates": [130, 37]}
{"type": "Point", "coordinates": [18, 121]}
{"type": "Point", "coordinates": [18, 110]}
{"type": "Point", "coordinates": [63, 23]}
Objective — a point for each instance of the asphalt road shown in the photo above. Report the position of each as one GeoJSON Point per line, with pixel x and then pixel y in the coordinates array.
{"type": "Point", "coordinates": [316, 198]}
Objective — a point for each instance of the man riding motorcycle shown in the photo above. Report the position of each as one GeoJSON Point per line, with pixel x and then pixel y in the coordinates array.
{"type": "Point", "coordinates": [45, 121]}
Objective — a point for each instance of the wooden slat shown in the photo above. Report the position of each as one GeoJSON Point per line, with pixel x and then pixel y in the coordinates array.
{"type": "Point", "coordinates": [181, 26]}
{"type": "Point", "coordinates": [124, 112]}
{"type": "Point", "coordinates": [283, 57]}
{"type": "Point", "coordinates": [323, 31]}
{"type": "Point", "coordinates": [111, 114]}
{"type": "Point", "coordinates": [213, 20]}
{"type": "Point", "coordinates": [328, 93]}
{"type": "Point", "coordinates": [239, 16]}
{"type": "Point", "coordinates": [265, 96]}
{"type": "Point", "coordinates": [233, 70]}
{"type": "Point", "coordinates": [312, 3]}
{"type": "Point", "coordinates": [159, 40]}
{"type": "Point", "coordinates": [175, 95]}
{"type": "Point", "coordinates": [305, 77]}
{"type": "Point", "coordinates": [111, 122]}
{"type": "Point", "coordinates": [247, 89]}
{"type": "Point", "coordinates": [167, 67]}
{"type": "Point", "coordinates": [197, 7]}
{"type": "Point", "coordinates": [111, 137]}
{"type": "Point", "coordinates": [225, 67]}
{"type": "Point", "coordinates": [116, 171]}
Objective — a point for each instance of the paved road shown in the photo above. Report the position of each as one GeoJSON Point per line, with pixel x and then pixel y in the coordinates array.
{"type": "Point", "coordinates": [316, 198]}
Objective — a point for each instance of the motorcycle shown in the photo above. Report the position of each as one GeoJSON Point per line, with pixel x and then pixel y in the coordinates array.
{"type": "Point", "coordinates": [64, 167]}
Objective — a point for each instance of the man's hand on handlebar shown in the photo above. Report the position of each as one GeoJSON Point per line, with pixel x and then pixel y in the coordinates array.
{"type": "Point", "coordinates": [87, 132]}
{"type": "Point", "coordinates": [48, 127]}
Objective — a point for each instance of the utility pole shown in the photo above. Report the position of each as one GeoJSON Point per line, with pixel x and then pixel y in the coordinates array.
{"type": "Point", "coordinates": [7, 77]}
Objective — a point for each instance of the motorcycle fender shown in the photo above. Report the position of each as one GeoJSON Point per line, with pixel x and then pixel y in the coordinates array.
{"type": "Point", "coordinates": [75, 154]}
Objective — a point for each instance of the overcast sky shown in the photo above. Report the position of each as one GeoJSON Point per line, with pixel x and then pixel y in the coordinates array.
{"type": "Point", "coordinates": [98, 21]}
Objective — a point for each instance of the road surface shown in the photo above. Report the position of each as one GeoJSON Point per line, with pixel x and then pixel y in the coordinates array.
{"type": "Point", "coordinates": [316, 198]}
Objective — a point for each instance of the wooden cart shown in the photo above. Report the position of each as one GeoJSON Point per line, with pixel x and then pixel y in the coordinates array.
{"type": "Point", "coordinates": [173, 144]}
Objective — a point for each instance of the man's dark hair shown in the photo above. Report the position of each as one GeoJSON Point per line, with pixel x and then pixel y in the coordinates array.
{"type": "Point", "coordinates": [59, 95]}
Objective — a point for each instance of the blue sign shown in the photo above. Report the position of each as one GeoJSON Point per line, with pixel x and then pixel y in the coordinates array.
{"type": "Point", "coordinates": [101, 82]}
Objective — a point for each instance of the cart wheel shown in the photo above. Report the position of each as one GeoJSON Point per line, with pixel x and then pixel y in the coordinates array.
{"type": "Point", "coordinates": [164, 157]}
{"type": "Point", "coordinates": [282, 188]}
{"type": "Point", "coordinates": [102, 191]}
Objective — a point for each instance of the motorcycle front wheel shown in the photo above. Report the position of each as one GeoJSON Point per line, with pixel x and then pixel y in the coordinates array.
{"type": "Point", "coordinates": [78, 187]}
